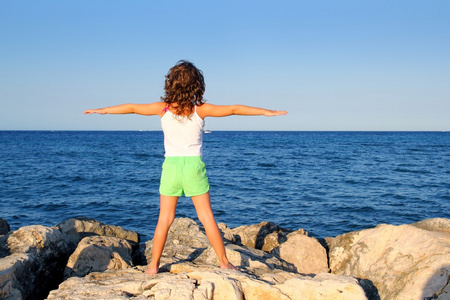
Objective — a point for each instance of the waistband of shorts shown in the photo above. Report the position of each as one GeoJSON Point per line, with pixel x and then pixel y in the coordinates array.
{"type": "Point", "coordinates": [183, 158]}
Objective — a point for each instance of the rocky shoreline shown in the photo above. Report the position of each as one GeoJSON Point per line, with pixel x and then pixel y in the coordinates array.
{"type": "Point", "coordinates": [82, 258]}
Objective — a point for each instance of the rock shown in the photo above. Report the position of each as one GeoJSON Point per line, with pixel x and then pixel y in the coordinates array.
{"type": "Point", "coordinates": [124, 284]}
{"type": "Point", "coordinates": [305, 253]}
{"type": "Point", "coordinates": [97, 254]}
{"type": "Point", "coordinates": [10, 284]}
{"type": "Point", "coordinates": [221, 287]}
{"type": "Point", "coordinates": [205, 282]}
{"type": "Point", "coordinates": [253, 260]}
{"type": "Point", "coordinates": [75, 229]}
{"type": "Point", "coordinates": [187, 241]}
{"type": "Point", "coordinates": [32, 262]}
{"type": "Point", "coordinates": [33, 258]}
{"type": "Point", "coordinates": [322, 286]}
{"type": "Point", "coordinates": [4, 227]}
{"type": "Point", "coordinates": [33, 239]}
{"type": "Point", "coordinates": [436, 224]}
{"type": "Point", "coordinates": [402, 262]}
{"type": "Point", "coordinates": [263, 236]}
{"type": "Point", "coordinates": [386, 262]}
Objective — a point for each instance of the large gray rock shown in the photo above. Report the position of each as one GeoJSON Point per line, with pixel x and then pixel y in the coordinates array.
{"type": "Point", "coordinates": [263, 236]}
{"type": "Point", "coordinates": [322, 286]}
{"type": "Point", "coordinates": [97, 254]}
{"type": "Point", "coordinates": [403, 262]}
{"type": "Point", "coordinates": [4, 227]}
{"type": "Point", "coordinates": [187, 242]}
{"type": "Point", "coordinates": [305, 253]}
{"type": "Point", "coordinates": [32, 262]}
{"type": "Point", "coordinates": [253, 260]}
{"type": "Point", "coordinates": [75, 229]}
{"type": "Point", "coordinates": [10, 284]}
{"type": "Point", "coordinates": [206, 282]}
{"type": "Point", "coordinates": [33, 258]}
{"type": "Point", "coordinates": [436, 224]}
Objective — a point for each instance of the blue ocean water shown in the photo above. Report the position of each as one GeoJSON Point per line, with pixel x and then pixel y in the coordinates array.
{"type": "Point", "coordinates": [327, 183]}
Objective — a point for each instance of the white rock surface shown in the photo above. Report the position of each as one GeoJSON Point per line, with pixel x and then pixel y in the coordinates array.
{"type": "Point", "coordinates": [75, 229]}
{"type": "Point", "coordinates": [32, 261]}
{"type": "Point", "coordinates": [97, 254]}
{"type": "Point", "coordinates": [205, 283]}
{"type": "Point", "coordinates": [305, 253]}
{"type": "Point", "coordinates": [403, 262]}
{"type": "Point", "coordinates": [263, 236]}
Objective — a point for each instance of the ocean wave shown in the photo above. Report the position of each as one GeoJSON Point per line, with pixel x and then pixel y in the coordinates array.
{"type": "Point", "coordinates": [332, 182]}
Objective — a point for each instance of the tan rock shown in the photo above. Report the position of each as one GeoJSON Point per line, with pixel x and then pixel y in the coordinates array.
{"type": "Point", "coordinates": [112, 284]}
{"type": "Point", "coordinates": [253, 260]}
{"type": "Point", "coordinates": [205, 291]}
{"type": "Point", "coordinates": [173, 288]}
{"type": "Point", "coordinates": [238, 284]}
{"type": "Point", "coordinates": [305, 253]}
{"type": "Point", "coordinates": [203, 282]}
{"type": "Point", "coordinates": [32, 261]}
{"type": "Point", "coordinates": [98, 253]}
{"type": "Point", "coordinates": [186, 240]}
{"type": "Point", "coordinates": [263, 236]}
{"type": "Point", "coordinates": [75, 229]}
{"type": "Point", "coordinates": [436, 224]}
{"type": "Point", "coordinates": [255, 289]}
{"type": "Point", "coordinates": [35, 238]}
{"type": "Point", "coordinates": [125, 284]}
{"type": "Point", "coordinates": [10, 284]}
{"type": "Point", "coordinates": [225, 287]}
{"type": "Point", "coordinates": [322, 286]}
{"type": "Point", "coordinates": [403, 262]}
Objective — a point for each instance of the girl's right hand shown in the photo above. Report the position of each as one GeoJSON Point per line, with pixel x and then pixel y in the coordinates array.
{"type": "Point", "coordinates": [94, 111]}
{"type": "Point", "coordinates": [272, 113]}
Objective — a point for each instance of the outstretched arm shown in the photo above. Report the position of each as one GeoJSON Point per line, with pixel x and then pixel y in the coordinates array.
{"type": "Point", "coordinates": [211, 110]}
{"type": "Point", "coordinates": [141, 109]}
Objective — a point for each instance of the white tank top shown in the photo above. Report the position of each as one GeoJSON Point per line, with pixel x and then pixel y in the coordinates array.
{"type": "Point", "coordinates": [183, 136]}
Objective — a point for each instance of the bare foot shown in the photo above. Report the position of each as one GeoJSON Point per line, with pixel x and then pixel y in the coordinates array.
{"type": "Point", "coordinates": [152, 269]}
{"type": "Point", "coordinates": [228, 266]}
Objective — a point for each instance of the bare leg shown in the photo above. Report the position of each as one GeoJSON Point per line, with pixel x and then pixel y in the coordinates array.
{"type": "Point", "coordinates": [202, 205]}
{"type": "Point", "coordinates": [168, 205]}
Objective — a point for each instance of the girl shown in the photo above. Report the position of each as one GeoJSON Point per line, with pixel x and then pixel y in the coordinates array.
{"type": "Point", "coordinates": [182, 113]}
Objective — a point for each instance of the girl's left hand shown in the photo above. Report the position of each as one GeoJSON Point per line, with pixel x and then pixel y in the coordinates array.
{"type": "Point", "coordinates": [272, 113]}
{"type": "Point", "coordinates": [94, 111]}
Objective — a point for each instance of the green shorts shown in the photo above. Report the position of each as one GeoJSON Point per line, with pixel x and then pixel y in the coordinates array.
{"type": "Point", "coordinates": [183, 175]}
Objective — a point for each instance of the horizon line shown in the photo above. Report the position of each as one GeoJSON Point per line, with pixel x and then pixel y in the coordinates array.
{"type": "Point", "coordinates": [227, 130]}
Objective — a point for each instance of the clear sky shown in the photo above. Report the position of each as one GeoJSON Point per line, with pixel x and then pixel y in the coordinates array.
{"type": "Point", "coordinates": [334, 65]}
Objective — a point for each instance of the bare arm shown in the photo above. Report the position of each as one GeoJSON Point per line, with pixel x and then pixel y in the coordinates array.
{"type": "Point", "coordinates": [210, 110]}
{"type": "Point", "coordinates": [129, 108]}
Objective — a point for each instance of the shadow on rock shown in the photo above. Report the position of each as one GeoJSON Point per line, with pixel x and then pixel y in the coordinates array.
{"type": "Point", "coordinates": [270, 235]}
{"type": "Point", "coordinates": [438, 286]}
{"type": "Point", "coordinates": [32, 263]}
{"type": "Point", "coordinates": [369, 288]}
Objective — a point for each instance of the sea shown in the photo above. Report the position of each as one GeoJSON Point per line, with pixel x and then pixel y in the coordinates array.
{"type": "Point", "coordinates": [326, 183]}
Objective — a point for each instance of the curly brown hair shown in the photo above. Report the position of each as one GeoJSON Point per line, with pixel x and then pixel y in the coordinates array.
{"type": "Point", "coordinates": [184, 88]}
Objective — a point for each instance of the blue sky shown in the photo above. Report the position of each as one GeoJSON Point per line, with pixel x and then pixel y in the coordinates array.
{"type": "Point", "coordinates": [334, 65]}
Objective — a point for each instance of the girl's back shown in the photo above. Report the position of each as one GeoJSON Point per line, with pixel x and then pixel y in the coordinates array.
{"type": "Point", "coordinates": [183, 135]}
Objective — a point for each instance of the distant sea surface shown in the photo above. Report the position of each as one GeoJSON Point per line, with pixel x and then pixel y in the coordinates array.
{"type": "Point", "coordinates": [327, 183]}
